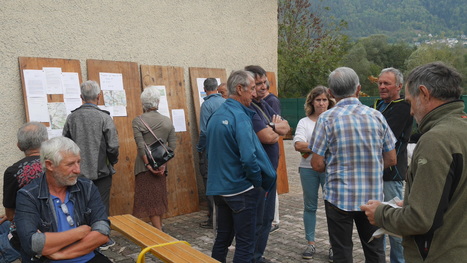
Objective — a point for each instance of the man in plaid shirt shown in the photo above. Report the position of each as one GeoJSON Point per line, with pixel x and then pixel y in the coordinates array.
{"type": "Point", "coordinates": [352, 143]}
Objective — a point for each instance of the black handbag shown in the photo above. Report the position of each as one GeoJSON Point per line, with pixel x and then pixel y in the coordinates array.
{"type": "Point", "coordinates": [157, 152]}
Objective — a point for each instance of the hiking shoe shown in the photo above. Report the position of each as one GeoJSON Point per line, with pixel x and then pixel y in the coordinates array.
{"type": "Point", "coordinates": [107, 245]}
{"type": "Point", "coordinates": [274, 228]}
{"type": "Point", "coordinates": [309, 252]}
{"type": "Point", "coordinates": [331, 255]}
{"type": "Point", "coordinates": [206, 224]}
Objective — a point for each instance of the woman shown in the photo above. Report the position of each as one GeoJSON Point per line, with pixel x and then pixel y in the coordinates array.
{"type": "Point", "coordinates": [317, 102]}
{"type": "Point", "coordinates": [150, 185]}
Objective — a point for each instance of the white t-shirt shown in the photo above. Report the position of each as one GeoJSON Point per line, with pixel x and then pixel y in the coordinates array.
{"type": "Point", "coordinates": [303, 133]}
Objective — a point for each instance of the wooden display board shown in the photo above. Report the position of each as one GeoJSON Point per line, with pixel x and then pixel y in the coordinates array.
{"type": "Point", "coordinates": [196, 73]}
{"type": "Point", "coordinates": [67, 65]}
{"type": "Point", "coordinates": [123, 184]}
{"type": "Point", "coordinates": [282, 179]}
{"type": "Point", "coordinates": [181, 181]}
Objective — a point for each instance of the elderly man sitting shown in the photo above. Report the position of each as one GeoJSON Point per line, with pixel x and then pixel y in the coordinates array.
{"type": "Point", "coordinates": [60, 216]}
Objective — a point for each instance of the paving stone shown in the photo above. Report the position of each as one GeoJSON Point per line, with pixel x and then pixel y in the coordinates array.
{"type": "Point", "coordinates": [285, 245]}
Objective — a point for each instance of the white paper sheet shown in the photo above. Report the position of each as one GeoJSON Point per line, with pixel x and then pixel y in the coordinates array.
{"type": "Point", "coordinates": [111, 81]}
{"type": "Point", "coordinates": [71, 88]}
{"type": "Point", "coordinates": [34, 81]}
{"type": "Point", "coordinates": [72, 104]}
{"type": "Point", "coordinates": [53, 79]}
{"type": "Point", "coordinates": [37, 109]}
{"type": "Point", "coordinates": [178, 120]}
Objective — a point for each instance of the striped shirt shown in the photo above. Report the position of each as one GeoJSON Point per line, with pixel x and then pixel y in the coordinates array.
{"type": "Point", "coordinates": [352, 138]}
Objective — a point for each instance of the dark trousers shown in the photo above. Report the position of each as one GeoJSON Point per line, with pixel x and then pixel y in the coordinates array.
{"type": "Point", "coordinates": [340, 226]}
{"type": "Point", "coordinates": [265, 216]}
{"type": "Point", "coordinates": [203, 170]}
{"type": "Point", "coordinates": [103, 185]}
{"type": "Point", "coordinates": [236, 217]}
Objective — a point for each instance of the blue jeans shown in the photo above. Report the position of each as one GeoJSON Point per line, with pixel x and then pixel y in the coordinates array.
{"type": "Point", "coordinates": [236, 217]}
{"type": "Point", "coordinates": [7, 253]}
{"type": "Point", "coordinates": [265, 216]}
{"type": "Point", "coordinates": [311, 180]}
{"type": "Point", "coordinates": [340, 226]}
{"type": "Point", "coordinates": [392, 189]}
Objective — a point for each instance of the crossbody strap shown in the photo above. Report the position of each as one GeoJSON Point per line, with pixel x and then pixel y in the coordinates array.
{"type": "Point", "coordinates": [150, 130]}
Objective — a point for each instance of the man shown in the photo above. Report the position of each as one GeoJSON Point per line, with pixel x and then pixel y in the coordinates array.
{"type": "Point", "coordinates": [30, 136]}
{"type": "Point", "coordinates": [397, 113]}
{"type": "Point", "coordinates": [268, 126]}
{"type": "Point", "coordinates": [211, 103]}
{"type": "Point", "coordinates": [222, 89]}
{"type": "Point", "coordinates": [60, 216]}
{"type": "Point", "coordinates": [352, 143]}
{"type": "Point", "coordinates": [238, 168]}
{"type": "Point", "coordinates": [272, 100]}
{"type": "Point", "coordinates": [94, 131]}
{"type": "Point", "coordinates": [432, 219]}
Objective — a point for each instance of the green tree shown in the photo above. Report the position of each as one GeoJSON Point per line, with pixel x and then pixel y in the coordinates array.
{"type": "Point", "coordinates": [455, 57]}
{"type": "Point", "coordinates": [309, 47]}
{"type": "Point", "coordinates": [370, 55]}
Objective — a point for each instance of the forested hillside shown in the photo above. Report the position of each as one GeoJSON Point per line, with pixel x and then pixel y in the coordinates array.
{"type": "Point", "coordinates": [400, 19]}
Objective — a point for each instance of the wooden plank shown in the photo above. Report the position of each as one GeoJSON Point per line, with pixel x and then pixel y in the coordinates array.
{"type": "Point", "coordinates": [146, 235]}
{"type": "Point", "coordinates": [67, 65]}
{"type": "Point", "coordinates": [181, 181]}
{"type": "Point", "coordinates": [123, 185]}
{"type": "Point", "coordinates": [196, 73]}
{"type": "Point", "coordinates": [282, 179]}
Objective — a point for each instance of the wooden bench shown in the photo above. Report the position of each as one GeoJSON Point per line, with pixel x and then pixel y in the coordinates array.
{"type": "Point", "coordinates": [160, 244]}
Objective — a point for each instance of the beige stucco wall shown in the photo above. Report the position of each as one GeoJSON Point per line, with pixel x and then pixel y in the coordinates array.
{"type": "Point", "coordinates": [186, 33]}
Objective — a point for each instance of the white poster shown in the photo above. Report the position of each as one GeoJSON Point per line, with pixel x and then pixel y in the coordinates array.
{"type": "Point", "coordinates": [53, 79]}
{"type": "Point", "coordinates": [71, 88]}
{"type": "Point", "coordinates": [111, 81]}
{"type": "Point", "coordinates": [178, 120]}
{"type": "Point", "coordinates": [34, 80]}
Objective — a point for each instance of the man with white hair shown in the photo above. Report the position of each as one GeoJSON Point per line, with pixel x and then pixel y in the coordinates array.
{"type": "Point", "coordinates": [352, 143]}
{"type": "Point", "coordinates": [59, 216]}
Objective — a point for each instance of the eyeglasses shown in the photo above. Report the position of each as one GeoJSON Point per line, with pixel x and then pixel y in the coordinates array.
{"type": "Point", "coordinates": [68, 216]}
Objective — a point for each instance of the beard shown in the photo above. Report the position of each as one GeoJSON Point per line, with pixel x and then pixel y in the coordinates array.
{"type": "Point", "coordinates": [65, 180]}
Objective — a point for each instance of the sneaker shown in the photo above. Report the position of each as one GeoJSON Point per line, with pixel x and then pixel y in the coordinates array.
{"type": "Point", "coordinates": [331, 255]}
{"type": "Point", "coordinates": [274, 228]}
{"type": "Point", "coordinates": [107, 245]}
{"type": "Point", "coordinates": [206, 224]}
{"type": "Point", "coordinates": [264, 260]}
{"type": "Point", "coordinates": [309, 252]}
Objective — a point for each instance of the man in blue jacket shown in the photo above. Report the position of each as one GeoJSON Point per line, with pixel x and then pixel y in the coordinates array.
{"type": "Point", "coordinates": [238, 167]}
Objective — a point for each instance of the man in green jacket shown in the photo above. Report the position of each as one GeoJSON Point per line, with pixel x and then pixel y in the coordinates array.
{"type": "Point", "coordinates": [432, 220]}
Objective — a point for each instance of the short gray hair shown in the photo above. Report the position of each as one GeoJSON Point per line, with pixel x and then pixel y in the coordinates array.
{"type": "Point", "coordinates": [90, 90]}
{"type": "Point", "coordinates": [442, 81]}
{"type": "Point", "coordinates": [210, 84]}
{"type": "Point", "coordinates": [343, 82]}
{"type": "Point", "coordinates": [54, 149]}
{"type": "Point", "coordinates": [239, 77]}
{"type": "Point", "coordinates": [150, 98]}
{"type": "Point", "coordinates": [31, 135]}
{"type": "Point", "coordinates": [397, 74]}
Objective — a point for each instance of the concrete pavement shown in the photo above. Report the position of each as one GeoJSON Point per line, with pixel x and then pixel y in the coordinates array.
{"type": "Point", "coordinates": [285, 245]}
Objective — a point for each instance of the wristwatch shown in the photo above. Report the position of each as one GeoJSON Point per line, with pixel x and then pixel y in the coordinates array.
{"type": "Point", "coordinates": [272, 125]}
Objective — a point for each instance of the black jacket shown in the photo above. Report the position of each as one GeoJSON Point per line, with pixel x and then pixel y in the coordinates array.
{"type": "Point", "coordinates": [397, 114]}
